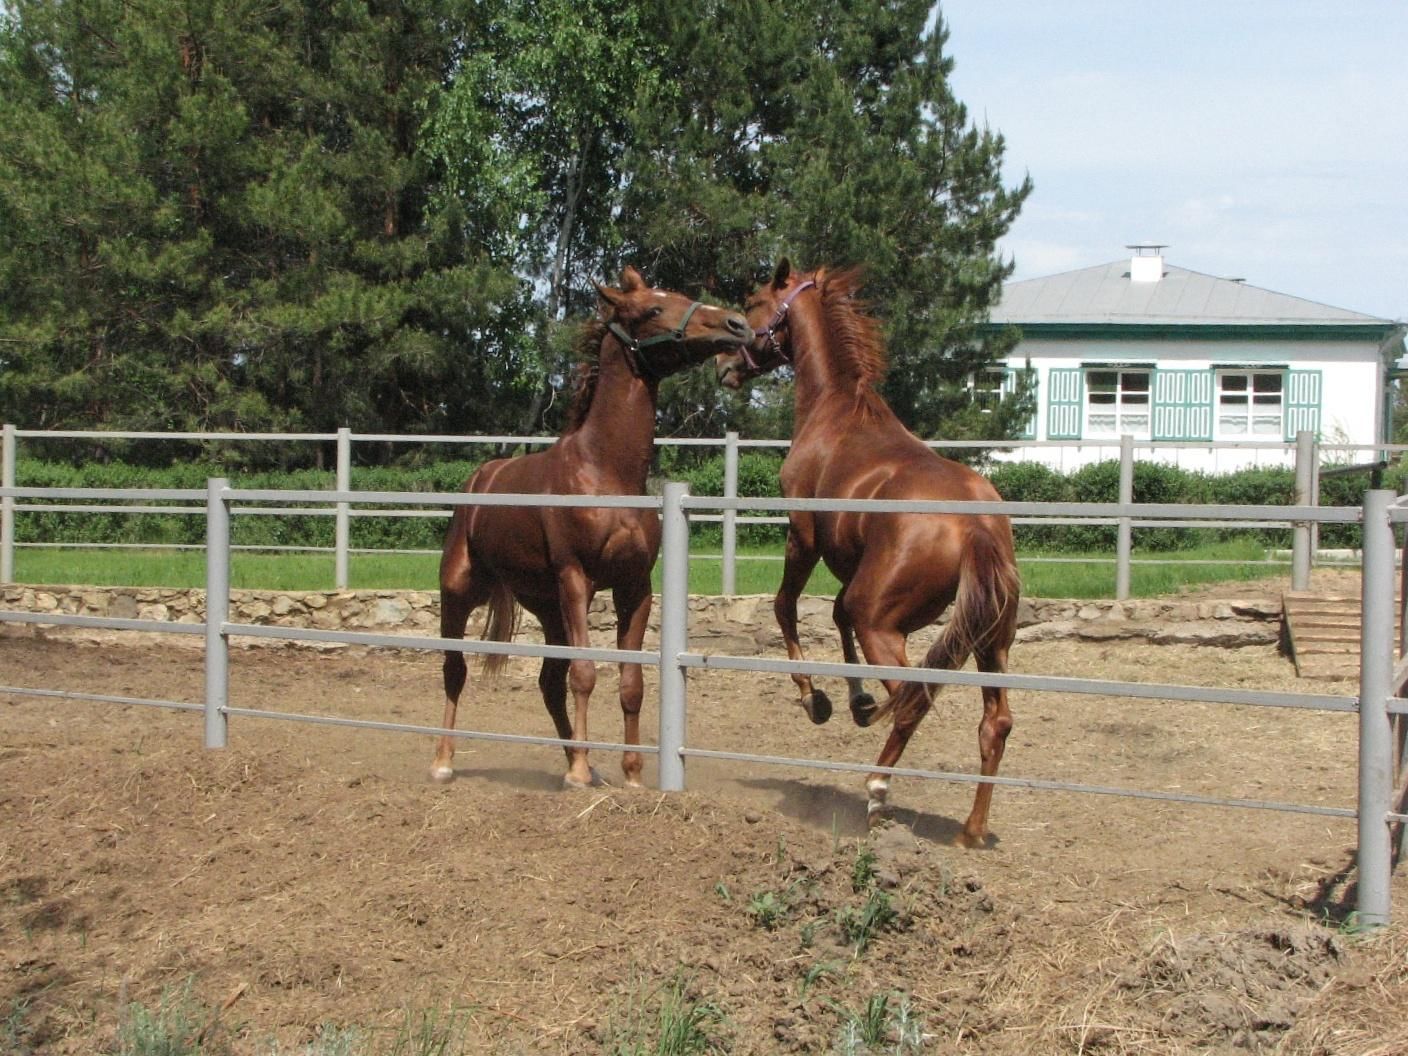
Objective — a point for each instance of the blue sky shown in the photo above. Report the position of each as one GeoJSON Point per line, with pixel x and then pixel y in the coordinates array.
{"type": "Point", "coordinates": [1260, 140]}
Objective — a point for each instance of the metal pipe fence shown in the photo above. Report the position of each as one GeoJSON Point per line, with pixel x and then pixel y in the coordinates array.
{"type": "Point", "coordinates": [1306, 454]}
{"type": "Point", "coordinates": [1378, 698]}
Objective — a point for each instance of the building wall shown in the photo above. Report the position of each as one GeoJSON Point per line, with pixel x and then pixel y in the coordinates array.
{"type": "Point", "coordinates": [1333, 385]}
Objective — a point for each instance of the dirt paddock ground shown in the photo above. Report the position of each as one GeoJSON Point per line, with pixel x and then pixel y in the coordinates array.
{"type": "Point", "coordinates": [309, 877]}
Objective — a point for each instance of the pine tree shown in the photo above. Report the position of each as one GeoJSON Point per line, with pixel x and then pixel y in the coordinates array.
{"type": "Point", "coordinates": [381, 213]}
{"type": "Point", "coordinates": [831, 135]}
{"type": "Point", "coordinates": [217, 216]}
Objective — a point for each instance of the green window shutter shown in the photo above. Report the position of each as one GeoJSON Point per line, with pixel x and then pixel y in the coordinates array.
{"type": "Point", "coordinates": [1183, 404]}
{"type": "Point", "coordinates": [1302, 402]}
{"type": "Point", "coordinates": [1009, 386]}
{"type": "Point", "coordinates": [1065, 396]}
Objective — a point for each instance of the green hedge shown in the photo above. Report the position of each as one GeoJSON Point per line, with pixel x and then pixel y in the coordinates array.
{"type": "Point", "coordinates": [382, 533]}
{"type": "Point", "coordinates": [757, 478]}
{"type": "Point", "coordinates": [1158, 483]}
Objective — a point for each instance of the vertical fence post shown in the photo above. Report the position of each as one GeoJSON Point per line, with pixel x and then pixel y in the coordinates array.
{"type": "Point", "coordinates": [1375, 737]}
{"type": "Point", "coordinates": [1124, 540]}
{"type": "Point", "coordinates": [7, 504]}
{"type": "Point", "coordinates": [730, 548]}
{"type": "Point", "coordinates": [1400, 722]}
{"type": "Point", "coordinates": [341, 531]}
{"type": "Point", "coordinates": [1314, 498]}
{"type": "Point", "coordinates": [217, 611]}
{"type": "Point", "coordinates": [674, 634]}
{"type": "Point", "coordinates": [1300, 532]}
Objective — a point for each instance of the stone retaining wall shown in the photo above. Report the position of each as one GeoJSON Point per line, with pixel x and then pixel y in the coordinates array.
{"type": "Point", "coordinates": [739, 625]}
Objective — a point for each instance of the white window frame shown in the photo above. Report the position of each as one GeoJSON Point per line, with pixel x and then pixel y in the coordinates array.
{"type": "Point", "coordinates": [1249, 413]}
{"type": "Point", "coordinates": [990, 383]}
{"type": "Point", "coordinates": [1120, 407]}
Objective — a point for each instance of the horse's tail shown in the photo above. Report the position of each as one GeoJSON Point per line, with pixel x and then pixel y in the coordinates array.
{"type": "Point", "coordinates": [984, 614]}
{"type": "Point", "coordinates": [500, 625]}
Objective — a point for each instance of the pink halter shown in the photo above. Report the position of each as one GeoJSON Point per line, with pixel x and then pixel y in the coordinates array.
{"type": "Point", "coordinates": [769, 333]}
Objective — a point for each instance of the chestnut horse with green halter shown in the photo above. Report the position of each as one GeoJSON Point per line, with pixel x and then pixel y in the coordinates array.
{"type": "Point", "coordinates": [551, 561]}
{"type": "Point", "coordinates": [898, 571]}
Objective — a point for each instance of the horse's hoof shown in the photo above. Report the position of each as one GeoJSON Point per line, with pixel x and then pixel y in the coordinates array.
{"type": "Point", "coordinates": [817, 706]}
{"type": "Point", "coordinates": [862, 708]}
{"type": "Point", "coordinates": [877, 791]}
{"type": "Point", "coordinates": [442, 775]}
{"type": "Point", "coordinates": [571, 781]}
{"type": "Point", "coordinates": [970, 842]}
{"type": "Point", "coordinates": [877, 813]}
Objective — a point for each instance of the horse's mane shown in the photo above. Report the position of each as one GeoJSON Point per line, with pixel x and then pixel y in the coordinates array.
{"type": "Point", "coordinates": [587, 349]}
{"type": "Point", "coordinates": [859, 335]}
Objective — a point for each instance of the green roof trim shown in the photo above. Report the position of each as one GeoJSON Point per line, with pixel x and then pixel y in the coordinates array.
{"type": "Point", "coordinates": [1201, 331]}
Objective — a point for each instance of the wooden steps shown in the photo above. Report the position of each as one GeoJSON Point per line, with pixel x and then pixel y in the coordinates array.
{"type": "Point", "coordinates": [1322, 633]}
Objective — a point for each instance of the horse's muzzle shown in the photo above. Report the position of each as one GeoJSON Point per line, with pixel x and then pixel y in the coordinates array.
{"type": "Point", "coordinates": [729, 373]}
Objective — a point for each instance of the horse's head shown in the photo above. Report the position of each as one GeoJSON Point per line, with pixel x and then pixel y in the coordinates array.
{"type": "Point", "coordinates": [663, 332]}
{"type": "Point", "coordinates": [767, 310]}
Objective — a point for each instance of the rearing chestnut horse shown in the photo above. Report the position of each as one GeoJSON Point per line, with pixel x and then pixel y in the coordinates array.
{"type": "Point", "coordinates": [898, 571]}
{"type": "Point", "coordinates": [553, 560]}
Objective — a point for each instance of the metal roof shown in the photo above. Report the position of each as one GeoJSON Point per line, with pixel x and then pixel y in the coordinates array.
{"type": "Point", "coordinates": [1105, 295]}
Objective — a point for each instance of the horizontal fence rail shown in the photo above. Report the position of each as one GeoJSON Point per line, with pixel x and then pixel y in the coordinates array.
{"type": "Point", "coordinates": [1376, 704]}
{"type": "Point", "coordinates": [1306, 454]}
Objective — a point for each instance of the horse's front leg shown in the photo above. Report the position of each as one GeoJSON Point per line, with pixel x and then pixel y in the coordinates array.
{"type": "Point", "coordinates": [575, 595]}
{"type": "Point", "coordinates": [799, 559]}
{"type": "Point", "coordinates": [632, 615]}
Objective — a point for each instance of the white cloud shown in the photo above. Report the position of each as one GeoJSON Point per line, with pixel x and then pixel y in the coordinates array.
{"type": "Point", "coordinates": [1263, 139]}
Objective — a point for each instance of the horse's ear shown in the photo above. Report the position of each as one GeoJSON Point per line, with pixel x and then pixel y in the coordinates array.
{"type": "Point", "coordinates": [611, 296]}
{"type": "Point", "coordinates": [631, 279]}
{"type": "Point", "coordinates": [779, 277]}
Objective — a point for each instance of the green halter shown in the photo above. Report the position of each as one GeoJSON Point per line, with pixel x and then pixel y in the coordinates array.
{"type": "Point", "coordinates": [633, 346]}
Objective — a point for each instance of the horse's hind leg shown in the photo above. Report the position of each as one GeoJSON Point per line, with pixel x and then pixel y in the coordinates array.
{"type": "Point", "coordinates": [798, 561]}
{"type": "Point", "coordinates": [885, 647]}
{"type": "Point", "coordinates": [460, 595]}
{"type": "Point", "coordinates": [992, 740]}
{"type": "Point", "coordinates": [632, 614]}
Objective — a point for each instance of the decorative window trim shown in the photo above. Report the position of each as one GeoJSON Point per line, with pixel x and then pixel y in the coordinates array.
{"type": "Point", "coordinates": [1227, 401]}
{"type": "Point", "coordinates": [1130, 401]}
{"type": "Point", "coordinates": [1183, 401]}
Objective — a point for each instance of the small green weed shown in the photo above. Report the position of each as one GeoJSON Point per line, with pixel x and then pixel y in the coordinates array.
{"type": "Point", "coordinates": [863, 868]}
{"type": "Point", "coordinates": [860, 925]}
{"type": "Point", "coordinates": [427, 1032]}
{"type": "Point", "coordinates": [768, 909]}
{"type": "Point", "coordinates": [668, 1022]}
{"type": "Point", "coordinates": [15, 1030]}
{"type": "Point", "coordinates": [813, 975]}
{"type": "Point", "coordinates": [423, 1032]}
{"type": "Point", "coordinates": [807, 934]}
{"type": "Point", "coordinates": [879, 1028]}
{"type": "Point", "coordinates": [178, 1026]}
{"type": "Point", "coordinates": [332, 1040]}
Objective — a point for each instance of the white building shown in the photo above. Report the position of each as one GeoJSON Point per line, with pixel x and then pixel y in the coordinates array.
{"type": "Point", "coordinates": [1141, 347]}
